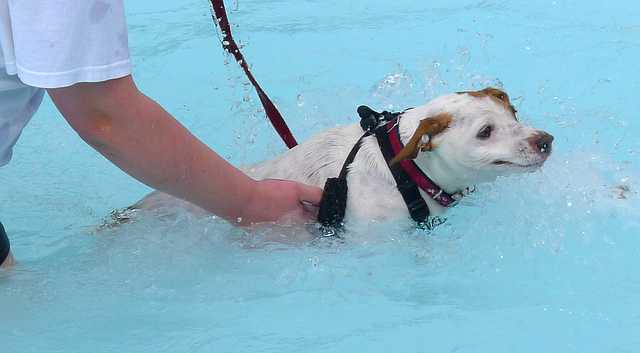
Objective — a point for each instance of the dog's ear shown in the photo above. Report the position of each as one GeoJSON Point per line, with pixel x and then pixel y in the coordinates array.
{"type": "Point", "coordinates": [422, 139]}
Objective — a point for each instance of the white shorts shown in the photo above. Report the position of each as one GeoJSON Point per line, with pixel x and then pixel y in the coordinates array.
{"type": "Point", "coordinates": [51, 44]}
{"type": "Point", "coordinates": [18, 103]}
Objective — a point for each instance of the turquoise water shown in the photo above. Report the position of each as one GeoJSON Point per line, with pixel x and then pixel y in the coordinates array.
{"type": "Point", "coordinates": [545, 262]}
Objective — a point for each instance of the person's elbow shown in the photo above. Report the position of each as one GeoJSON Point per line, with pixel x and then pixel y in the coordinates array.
{"type": "Point", "coordinates": [94, 127]}
{"type": "Point", "coordinates": [93, 109]}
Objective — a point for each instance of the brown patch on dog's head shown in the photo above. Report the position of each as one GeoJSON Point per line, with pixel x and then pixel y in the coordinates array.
{"type": "Point", "coordinates": [430, 127]}
{"type": "Point", "coordinates": [499, 96]}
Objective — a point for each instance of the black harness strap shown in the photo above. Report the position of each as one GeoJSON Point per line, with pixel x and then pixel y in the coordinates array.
{"type": "Point", "coordinates": [333, 204]}
{"type": "Point", "coordinates": [334, 198]}
{"type": "Point", "coordinates": [416, 205]}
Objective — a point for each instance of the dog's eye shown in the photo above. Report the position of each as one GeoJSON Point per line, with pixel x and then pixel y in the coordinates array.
{"type": "Point", "coordinates": [485, 133]}
{"type": "Point", "coordinates": [500, 96]}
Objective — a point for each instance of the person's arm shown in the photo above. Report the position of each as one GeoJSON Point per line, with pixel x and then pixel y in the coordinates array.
{"type": "Point", "coordinates": [145, 141]}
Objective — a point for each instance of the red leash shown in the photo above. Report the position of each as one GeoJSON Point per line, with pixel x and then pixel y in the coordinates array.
{"type": "Point", "coordinates": [229, 44]}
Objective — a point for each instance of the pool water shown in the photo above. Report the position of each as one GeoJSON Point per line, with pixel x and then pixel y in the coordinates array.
{"type": "Point", "coordinates": [545, 262]}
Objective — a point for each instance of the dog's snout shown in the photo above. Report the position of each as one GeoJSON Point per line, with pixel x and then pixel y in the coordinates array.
{"type": "Point", "coordinates": [541, 142]}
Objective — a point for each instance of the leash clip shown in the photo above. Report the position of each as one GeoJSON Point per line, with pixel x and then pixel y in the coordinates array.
{"type": "Point", "coordinates": [369, 118]}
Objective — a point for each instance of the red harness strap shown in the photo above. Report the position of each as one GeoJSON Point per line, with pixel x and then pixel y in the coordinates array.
{"type": "Point", "coordinates": [229, 44]}
{"type": "Point", "coordinates": [414, 172]}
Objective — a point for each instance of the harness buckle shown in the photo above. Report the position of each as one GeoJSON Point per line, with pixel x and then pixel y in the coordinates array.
{"type": "Point", "coordinates": [394, 126]}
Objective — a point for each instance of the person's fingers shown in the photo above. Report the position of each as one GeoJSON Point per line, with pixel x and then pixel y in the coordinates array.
{"type": "Point", "coordinates": [310, 197]}
{"type": "Point", "coordinates": [310, 194]}
{"type": "Point", "coordinates": [309, 210]}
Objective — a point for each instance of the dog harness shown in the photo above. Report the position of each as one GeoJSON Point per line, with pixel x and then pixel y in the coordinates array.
{"type": "Point", "coordinates": [409, 178]}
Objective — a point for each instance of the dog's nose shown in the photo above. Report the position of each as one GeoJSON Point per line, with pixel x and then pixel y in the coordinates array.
{"type": "Point", "coordinates": [541, 142]}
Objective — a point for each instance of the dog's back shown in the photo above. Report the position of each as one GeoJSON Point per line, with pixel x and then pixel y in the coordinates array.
{"type": "Point", "coordinates": [313, 161]}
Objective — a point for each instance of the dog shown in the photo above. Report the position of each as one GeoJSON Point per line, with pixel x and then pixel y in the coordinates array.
{"type": "Point", "coordinates": [455, 141]}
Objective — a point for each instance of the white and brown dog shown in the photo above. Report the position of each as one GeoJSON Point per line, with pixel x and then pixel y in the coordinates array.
{"type": "Point", "coordinates": [456, 141]}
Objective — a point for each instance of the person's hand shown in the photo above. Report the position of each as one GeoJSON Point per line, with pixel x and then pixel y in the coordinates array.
{"type": "Point", "coordinates": [281, 200]}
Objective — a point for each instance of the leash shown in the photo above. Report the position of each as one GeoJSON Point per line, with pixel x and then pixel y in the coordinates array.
{"type": "Point", "coordinates": [221, 20]}
{"type": "Point", "coordinates": [334, 199]}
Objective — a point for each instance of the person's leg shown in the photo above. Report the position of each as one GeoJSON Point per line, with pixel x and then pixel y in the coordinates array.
{"type": "Point", "coordinates": [6, 259]}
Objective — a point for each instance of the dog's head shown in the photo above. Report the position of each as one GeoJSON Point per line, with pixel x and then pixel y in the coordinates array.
{"type": "Point", "coordinates": [474, 135]}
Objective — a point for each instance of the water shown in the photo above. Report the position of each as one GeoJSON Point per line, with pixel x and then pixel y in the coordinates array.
{"type": "Point", "coordinates": [538, 263]}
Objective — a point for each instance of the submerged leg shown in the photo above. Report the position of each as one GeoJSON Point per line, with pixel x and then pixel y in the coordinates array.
{"type": "Point", "coordinates": [6, 259]}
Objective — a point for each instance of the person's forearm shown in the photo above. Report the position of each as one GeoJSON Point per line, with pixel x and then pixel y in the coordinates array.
{"type": "Point", "coordinates": [187, 168]}
{"type": "Point", "coordinates": [146, 142]}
